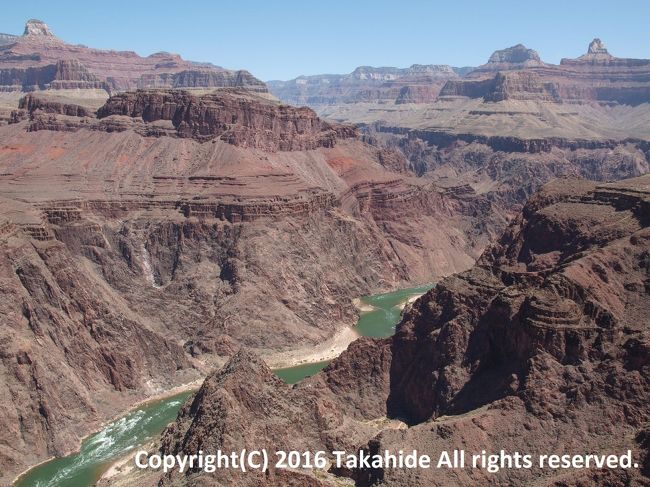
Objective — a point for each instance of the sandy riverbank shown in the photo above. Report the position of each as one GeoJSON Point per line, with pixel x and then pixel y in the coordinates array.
{"type": "Point", "coordinates": [361, 306]}
{"type": "Point", "coordinates": [327, 350]}
{"type": "Point", "coordinates": [410, 300]}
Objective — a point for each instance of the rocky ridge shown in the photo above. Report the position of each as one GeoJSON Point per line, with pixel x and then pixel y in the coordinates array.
{"type": "Point", "coordinates": [596, 76]}
{"type": "Point", "coordinates": [542, 346]}
{"type": "Point", "coordinates": [32, 62]}
{"type": "Point", "coordinates": [416, 84]}
{"type": "Point", "coordinates": [235, 116]}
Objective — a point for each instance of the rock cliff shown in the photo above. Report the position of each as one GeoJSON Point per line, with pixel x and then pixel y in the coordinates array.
{"type": "Point", "coordinates": [596, 76]}
{"type": "Point", "coordinates": [32, 61]}
{"type": "Point", "coordinates": [514, 57]}
{"type": "Point", "coordinates": [232, 116]}
{"type": "Point", "coordinates": [416, 84]}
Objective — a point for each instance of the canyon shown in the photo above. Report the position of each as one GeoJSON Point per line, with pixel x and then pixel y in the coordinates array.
{"type": "Point", "coordinates": [138, 233]}
{"type": "Point", "coordinates": [165, 220]}
{"type": "Point", "coordinates": [541, 347]}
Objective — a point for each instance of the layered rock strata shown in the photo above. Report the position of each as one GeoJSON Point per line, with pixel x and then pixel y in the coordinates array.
{"type": "Point", "coordinates": [38, 60]}
{"type": "Point", "coordinates": [541, 347]}
{"type": "Point", "coordinates": [416, 84]}
{"type": "Point", "coordinates": [166, 241]}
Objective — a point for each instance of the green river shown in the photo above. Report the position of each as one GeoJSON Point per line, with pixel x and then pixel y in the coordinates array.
{"type": "Point", "coordinates": [100, 450]}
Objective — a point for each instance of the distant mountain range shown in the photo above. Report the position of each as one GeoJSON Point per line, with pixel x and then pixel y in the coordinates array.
{"type": "Point", "coordinates": [38, 60]}
{"type": "Point", "coordinates": [419, 83]}
{"type": "Point", "coordinates": [513, 73]}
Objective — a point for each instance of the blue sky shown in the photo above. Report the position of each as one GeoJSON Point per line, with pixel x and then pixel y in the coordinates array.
{"type": "Point", "coordinates": [283, 39]}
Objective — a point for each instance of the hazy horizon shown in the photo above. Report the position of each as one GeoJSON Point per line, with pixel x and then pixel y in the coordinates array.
{"type": "Point", "coordinates": [283, 41]}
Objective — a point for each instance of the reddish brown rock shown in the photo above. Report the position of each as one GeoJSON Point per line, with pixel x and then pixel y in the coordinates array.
{"type": "Point", "coordinates": [32, 103]}
{"type": "Point", "coordinates": [39, 60]}
{"type": "Point", "coordinates": [244, 405]}
{"type": "Point", "coordinates": [596, 76]}
{"type": "Point", "coordinates": [540, 348]}
{"type": "Point", "coordinates": [169, 236]}
{"type": "Point", "coordinates": [234, 117]}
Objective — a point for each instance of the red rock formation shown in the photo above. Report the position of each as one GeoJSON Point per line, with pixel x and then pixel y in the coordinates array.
{"type": "Point", "coordinates": [180, 237]}
{"type": "Point", "coordinates": [547, 325]}
{"type": "Point", "coordinates": [595, 76]}
{"type": "Point", "coordinates": [244, 405]}
{"type": "Point", "coordinates": [232, 116]}
{"type": "Point", "coordinates": [31, 103]}
{"type": "Point", "coordinates": [35, 60]}
{"type": "Point", "coordinates": [72, 356]}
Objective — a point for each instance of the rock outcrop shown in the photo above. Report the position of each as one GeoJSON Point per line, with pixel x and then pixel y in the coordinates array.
{"type": "Point", "coordinates": [32, 103]}
{"type": "Point", "coordinates": [597, 48]}
{"type": "Point", "coordinates": [37, 28]}
{"type": "Point", "coordinates": [232, 116]}
{"type": "Point", "coordinates": [244, 405]}
{"type": "Point", "coordinates": [596, 76]}
{"type": "Point", "coordinates": [513, 58]}
{"type": "Point", "coordinates": [32, 61]}
{"type": "Point", "coordinates": [547, 327]}
{"type": "Point", "coordinates": [72, 354]}
{"type": "Point", "coordinates": [516, 85]}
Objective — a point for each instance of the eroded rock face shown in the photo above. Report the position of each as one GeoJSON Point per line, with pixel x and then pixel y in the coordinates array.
{"type": "Point", "coordinates": [32, 103]}
{"type": "Point", "coordinates": [37, 28]}
{"type": "Point", "coordinates": [521, 75]}
{"type": "Point", "coordinates": [416, 84]}
{"type": "Point", "coordinates": [27, 61]}
{"type": "Point", "coordinates": [547, 326]}
{"type": "Point", "coordinates": [231, 116]}
{"type": "Point", "coordinates": [518, 54]}
{"type": "Point", "coordinates": [517, 85]}
{"type": "Point", "coordinates": [72, 355]}
{"type": "Point", "coordinates": [597, 47]}
{"type": "Point", "coordinates": [244, 405]}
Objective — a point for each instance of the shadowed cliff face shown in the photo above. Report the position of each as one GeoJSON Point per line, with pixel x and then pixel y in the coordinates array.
{"type": "Point", "coordinates": [548, 331]}
{"type": "Point", "coordinates": [71, 351]}
{"type": "Point", "coordinates": [542, 347]}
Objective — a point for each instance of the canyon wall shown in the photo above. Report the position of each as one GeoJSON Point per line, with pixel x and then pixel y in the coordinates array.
{"type": "Point", "coordinates": [38, 60]}
{"type": "Point", "coordinates": [541, 347]}
{"type": "Point", "coordinates": [123, 249]}
{"type": "Point", "coordinates": [416, 84]}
